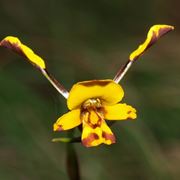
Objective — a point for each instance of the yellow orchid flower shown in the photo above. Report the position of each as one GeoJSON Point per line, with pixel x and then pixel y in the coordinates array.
{"type": "Point", "coordinates": [91, 102]}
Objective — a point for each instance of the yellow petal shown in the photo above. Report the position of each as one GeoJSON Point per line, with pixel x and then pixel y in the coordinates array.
{"type": "Point", "coordinates": [107, 134]}
{"type": "Point", "coordinates": [15, 44]}
{"type": "Point", "coordinates": [106, 90]}
{"type": "Point", "coordinates": [68, 121]}
{"type": "Point", "coordinates": [153, 35]}
{"type": "Point", "coordinates": [119, 112]}
{"type": "Point", "coordinates": [91, 137]}
{"type": "Point", "coordinates": [94, 137]}
{"type": "Point", "coordinates": [95, 134]}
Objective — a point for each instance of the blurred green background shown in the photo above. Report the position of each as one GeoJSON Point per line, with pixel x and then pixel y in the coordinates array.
{"type": "Point", "coordinates": [83, 40]}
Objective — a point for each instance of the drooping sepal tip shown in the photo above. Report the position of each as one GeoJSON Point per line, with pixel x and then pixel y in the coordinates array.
{"type": "Point", "coordinates": [13, 43]}
{"type": "Point", "coordinates": [155, 32]}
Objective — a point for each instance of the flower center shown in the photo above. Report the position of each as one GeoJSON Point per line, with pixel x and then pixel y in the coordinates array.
{"type": "Point", "coordinates": [92, 112]}
{"type": "Point", "coordinates": [92, 103]}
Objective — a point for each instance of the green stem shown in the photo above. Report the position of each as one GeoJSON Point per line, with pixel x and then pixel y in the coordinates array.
{"type": "Point", "coordinates": [72, 164]}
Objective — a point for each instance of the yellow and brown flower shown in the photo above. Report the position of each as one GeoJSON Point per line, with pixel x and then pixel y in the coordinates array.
{"type": "Point", "coordinates": [90, 103]}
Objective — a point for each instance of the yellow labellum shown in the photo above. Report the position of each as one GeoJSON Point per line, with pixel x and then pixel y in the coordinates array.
{"type": "Point", "coordinates": [15, 44]}
{"type": "Point", "coordinates": [153, 35]}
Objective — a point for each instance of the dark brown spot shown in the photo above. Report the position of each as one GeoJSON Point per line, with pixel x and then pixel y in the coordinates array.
{"type": "Point", "coordinates": [60, 128]}
{"type": "Point", "coordinates": [88, 120]}
{"type": "Point", "coordinates": [16, 48]}
{"type": "Point", "coordinates": [130, 118]}
{"type": "Point", "coordinates": [165, 30]}
{"type": "Point", "coordinates": [129, 112]}
{"type": "Point", "coordinates": [109, 136]}
{"type": "Point", "coordinates": [161, 32]}
{"type": "Point", "coordinates": [89, 139]}
{"type": "Point", "coordinates": [154, 38]}
{"type": "Point", "coordinates": [152, 41]}
{"type": "Point", "coordinates": [96, 82]}
{"type": "Point", "coordinates": [94, 126]}
{"type": "Point", "coordinates": [13, 46]}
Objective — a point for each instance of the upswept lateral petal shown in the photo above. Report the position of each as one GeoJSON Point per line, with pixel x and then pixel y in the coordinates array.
{"type": "Point", "coordinates": [15, 44]}
{"type": "Point", "coordinates": [153, 35]}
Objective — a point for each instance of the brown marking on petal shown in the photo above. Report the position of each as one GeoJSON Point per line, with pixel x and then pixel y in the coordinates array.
{"type": "Point", "coordinates": [163, 31]}
{"type": "Point", "coordinates": [156, 35]}
{"type": "Point", "coordinates": [94, 126]}
{"type": "Point", "coordinates": [95, 82]}
{"type": "Point", "coordinates": [58, 127]}
{"type": "Point", "coordinates": [129, 112]}
{"type": "Point", "coordinates": [17, 49]}
{"type": "Point", "coordinates": [13, 46]}
{"type": "Point", "coordinates": [89, 139]}
{"type": "Point", "coordinates": [88, 118]}
{"type": "Point", "coordinates": [109, 136]}
{"type": "Point", "coordinates": [153, 40]}
{"type": "Point", "coordinates": [131, 118]}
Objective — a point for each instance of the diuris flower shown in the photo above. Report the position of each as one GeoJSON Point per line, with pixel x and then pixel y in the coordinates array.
{"type": "Point", "coordinates": [90, 103]}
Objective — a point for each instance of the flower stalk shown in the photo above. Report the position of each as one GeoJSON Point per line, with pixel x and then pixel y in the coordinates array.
{"type": "Point", "coordinates": [72, 163]}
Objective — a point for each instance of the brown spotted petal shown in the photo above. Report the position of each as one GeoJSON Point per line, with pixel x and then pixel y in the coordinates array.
{"type": "Point", "coordinates": [153, 35]}
{"type": "Point", "coordinates": [15, 44]}
{"type": "Point", "coordinates": [94, 135]}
